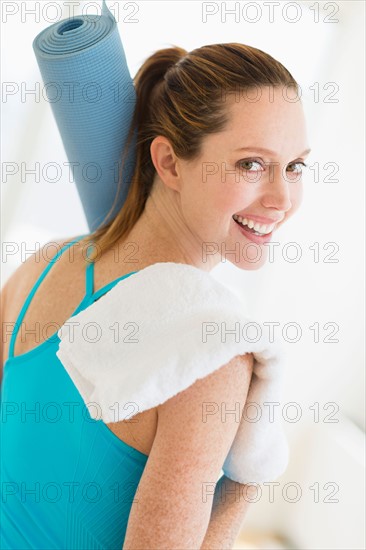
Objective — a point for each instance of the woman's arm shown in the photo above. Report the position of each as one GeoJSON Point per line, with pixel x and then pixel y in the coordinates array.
{"type": "Point", "coordinates": [231, 501]}
{"type": "Point", "coordinates": [172, 506]}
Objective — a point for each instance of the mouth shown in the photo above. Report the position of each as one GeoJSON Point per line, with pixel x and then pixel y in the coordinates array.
{"type": "Point", "coordinates": [254, 231]}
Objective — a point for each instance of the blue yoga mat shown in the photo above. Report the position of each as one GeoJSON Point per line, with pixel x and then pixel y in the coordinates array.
{"type": "Point", "coordinates": [92, 96]}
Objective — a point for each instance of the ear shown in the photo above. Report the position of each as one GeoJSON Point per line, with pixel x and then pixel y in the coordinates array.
{"type": "Point", "coordinates": [165, 161]}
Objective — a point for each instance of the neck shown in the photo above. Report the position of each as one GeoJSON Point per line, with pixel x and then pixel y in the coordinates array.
{"type": "Point", "coordinates": [161, 234]}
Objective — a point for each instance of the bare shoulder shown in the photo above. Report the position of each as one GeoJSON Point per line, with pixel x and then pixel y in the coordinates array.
{"type": "Point", "coordinates": [28, 271]}
{"type": "Point", "coordinates": [21, 281]}
{"type": "Point", "coordinates": [204, 407]}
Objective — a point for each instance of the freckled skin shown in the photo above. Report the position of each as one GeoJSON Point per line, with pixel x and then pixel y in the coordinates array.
{"type": "Point", "coordinates": [190, 206]}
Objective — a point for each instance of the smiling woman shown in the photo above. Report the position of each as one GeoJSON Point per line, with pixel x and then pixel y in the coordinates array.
{"type": "Point", "coordinates": [191, 184]}
{"type": "Point", "coordinates": [147, 335]}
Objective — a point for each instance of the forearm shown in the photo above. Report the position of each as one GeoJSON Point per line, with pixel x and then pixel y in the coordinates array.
{"type": "Point", "coordinates": [230, 503]}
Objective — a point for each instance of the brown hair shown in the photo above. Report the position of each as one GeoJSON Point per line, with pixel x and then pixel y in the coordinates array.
{"type": "Point", "coordinates": [179, 95]}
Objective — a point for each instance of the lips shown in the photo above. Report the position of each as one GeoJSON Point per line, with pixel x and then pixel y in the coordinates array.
{"type": "Point", "coordinates": [258, 239]}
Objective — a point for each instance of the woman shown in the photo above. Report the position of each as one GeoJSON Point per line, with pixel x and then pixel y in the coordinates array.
{"type": "Point", "coordinates": [221, 145]}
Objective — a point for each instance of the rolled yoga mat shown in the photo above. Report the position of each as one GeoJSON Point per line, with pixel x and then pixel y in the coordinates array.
{"type": "Point", "coordinates": [92, 96]}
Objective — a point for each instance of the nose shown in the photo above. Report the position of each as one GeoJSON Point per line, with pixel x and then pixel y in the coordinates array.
{"type": "Point", "coordinates": [276, 192]}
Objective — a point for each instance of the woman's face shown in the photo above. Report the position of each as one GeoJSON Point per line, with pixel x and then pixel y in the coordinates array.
{"type": "Point", "coordinates": [252, 169]}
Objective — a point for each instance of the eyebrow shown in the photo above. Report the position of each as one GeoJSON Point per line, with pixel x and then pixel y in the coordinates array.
{"type": "Point", "coordinates": [268, 151]}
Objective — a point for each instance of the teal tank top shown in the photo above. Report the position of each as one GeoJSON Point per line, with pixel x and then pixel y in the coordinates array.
{"type": "Point", "coordinates": [68, 482]}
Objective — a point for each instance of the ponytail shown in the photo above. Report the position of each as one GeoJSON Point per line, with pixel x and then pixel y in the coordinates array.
{"type": "Point", "coordinates": [146, 82]}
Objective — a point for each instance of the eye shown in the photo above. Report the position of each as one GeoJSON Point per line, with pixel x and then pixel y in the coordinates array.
{"type": "Point", "coordinates": [299, 169]}
{"type": "Point", "coordinates": [247, 165]}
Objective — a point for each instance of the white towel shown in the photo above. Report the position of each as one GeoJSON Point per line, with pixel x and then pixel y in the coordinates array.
{"type": "Point", "coordinates": [159, 330]}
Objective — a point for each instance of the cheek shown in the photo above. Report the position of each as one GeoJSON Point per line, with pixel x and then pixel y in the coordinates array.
{"type": "Point", "coordinates": [219, 200]}
{"type": "Point", "coordinates": [227, 198]}
{"type": "Point", "coordinates": [202, 205]}
{"type": "Point", "coordinates": [224, 205]}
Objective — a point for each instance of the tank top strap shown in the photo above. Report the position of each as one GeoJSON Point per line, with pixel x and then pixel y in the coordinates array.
{"type": "Point", "coordinates": [90, 295]}
{"type": "Point", "coordinates": [33, 291]}
{"type": "Point", "coordinates": [89, 275]}
{"type": "Point", "coordinates": [110, 285]}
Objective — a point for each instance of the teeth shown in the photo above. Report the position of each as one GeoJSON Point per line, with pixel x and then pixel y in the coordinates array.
{"type": "Point", "coordinates": [259, 228]}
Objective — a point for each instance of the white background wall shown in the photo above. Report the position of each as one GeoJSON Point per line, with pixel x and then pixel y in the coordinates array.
{"type": "Point", "coordinates": [306, 291]}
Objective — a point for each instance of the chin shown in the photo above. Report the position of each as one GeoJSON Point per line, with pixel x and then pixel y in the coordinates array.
{"type": "Point", "coordinates": [246, 265]}
{"type": "Point", "coordinates": [249, 256]}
